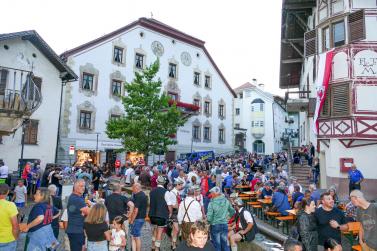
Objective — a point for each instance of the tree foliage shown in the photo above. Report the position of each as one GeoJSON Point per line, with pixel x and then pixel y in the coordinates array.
{"type": "Point", "coordinates": [149, 120]}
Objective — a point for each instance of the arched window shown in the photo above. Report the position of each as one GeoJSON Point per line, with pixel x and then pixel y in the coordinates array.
{"type": "Point", "coordinates": [258, 146]}
{"type": "Point", "coordinates": [257, 105]}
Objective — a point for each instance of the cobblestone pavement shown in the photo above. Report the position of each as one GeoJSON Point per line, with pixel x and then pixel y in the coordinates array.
{"type": "Point", "coordinates": [146, 237]}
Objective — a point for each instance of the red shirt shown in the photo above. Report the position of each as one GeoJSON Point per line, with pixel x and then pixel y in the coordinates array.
{"type": "Point", "coordinates": [204, 186]}
{"type": "Point", "coordinates": [253, 182]}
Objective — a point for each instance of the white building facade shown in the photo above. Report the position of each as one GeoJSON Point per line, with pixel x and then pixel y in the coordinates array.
{"type": "Point", "coordinates": [259, 120]}
{"type": "Point", "coordinates": [24, 56]}
{"type": "Point", "coordinates": [347, 124]}
{"type": "Point", "coordinates": [188, 74]}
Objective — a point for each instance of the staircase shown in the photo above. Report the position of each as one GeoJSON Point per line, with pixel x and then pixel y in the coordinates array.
{"type": "Point", "coordinates": [302, 172]}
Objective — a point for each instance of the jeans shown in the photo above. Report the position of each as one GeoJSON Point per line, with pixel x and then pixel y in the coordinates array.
{"type": "Point", "coordinates": [97, 246]}
{"type": "Point", "coordinates": [41, 239]}
{"type": "Point", "coordinates": [9, 246]}
{"type": "Point", "coordinates": [76, 241]}
{"type": "Point", "coordinates": [219, 236]}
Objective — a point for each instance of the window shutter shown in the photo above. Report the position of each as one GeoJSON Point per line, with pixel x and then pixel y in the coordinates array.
{"type": "Point", "coordinates": [356, 26]}
{"type": "Point", "coordinates": [340, 100]}
{"type": "Point", "coordinates": [31, 132]}
{"type": "Point", "coordinates": [310, 41]}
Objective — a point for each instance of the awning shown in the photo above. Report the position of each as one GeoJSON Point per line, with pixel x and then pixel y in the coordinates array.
{"type": "Point", "coordinates": [102, 145]}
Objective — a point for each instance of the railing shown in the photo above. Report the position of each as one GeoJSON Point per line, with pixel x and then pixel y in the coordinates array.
{"type": "Point", "coordinates": [19, 95]}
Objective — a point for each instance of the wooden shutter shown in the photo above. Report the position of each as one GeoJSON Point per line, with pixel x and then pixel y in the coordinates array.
{"type": "Point", "coordinates": [3, 81]}
{"type": "Point", "coordinates": [340, 100]}
{"type": "Point", "coordinates": [310, 41]}
{"type": "Point", "coordinates": [31, 132]}
{"type": "Point", "coordinates": [356, 26]}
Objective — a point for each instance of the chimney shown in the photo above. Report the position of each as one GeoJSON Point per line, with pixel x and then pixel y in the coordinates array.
{"type": "Point", "coordinates": [261, 86]}
{"type": "Point", "coordinates": [254, 80]}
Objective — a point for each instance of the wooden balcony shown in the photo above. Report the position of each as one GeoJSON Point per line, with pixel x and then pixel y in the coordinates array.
{"type": "Point", "coordinates": [19, 98]}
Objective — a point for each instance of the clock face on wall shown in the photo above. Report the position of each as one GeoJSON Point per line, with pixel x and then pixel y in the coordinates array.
{"type": "Point", "coordinates": [157, 48]}
{"type": "Point", "coordinates": [186, 58]}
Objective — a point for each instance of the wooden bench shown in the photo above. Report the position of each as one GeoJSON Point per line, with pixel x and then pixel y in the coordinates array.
{"type": "Point", "coordinates": [271, 217]}
{"type": "Point", "coordinates": [257, 209]}
{"type": "Point", "coordinates": [357, 248]}
{"type": "Point", "coordinates": [285, 220]}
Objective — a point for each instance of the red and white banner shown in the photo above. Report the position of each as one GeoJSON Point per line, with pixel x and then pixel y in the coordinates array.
{"type": "Point", "coordinates": [322, 83]}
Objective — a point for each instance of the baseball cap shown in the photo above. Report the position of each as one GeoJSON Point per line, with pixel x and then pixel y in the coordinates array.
{"type": "Point", "coordinates": [215, 190]}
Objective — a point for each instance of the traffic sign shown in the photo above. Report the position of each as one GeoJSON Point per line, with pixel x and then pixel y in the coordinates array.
{"type": "Point", "coordinates": [71, 150]}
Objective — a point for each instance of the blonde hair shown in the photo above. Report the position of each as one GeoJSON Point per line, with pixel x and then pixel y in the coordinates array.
{"type": "Point", "coordinates": [201, 226]}
{"type": "Point", "coordinates": [97, 214]}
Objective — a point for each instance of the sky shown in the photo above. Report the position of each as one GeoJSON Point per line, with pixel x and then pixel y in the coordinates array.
{"type": "Point", "coordinates": [242, 36]}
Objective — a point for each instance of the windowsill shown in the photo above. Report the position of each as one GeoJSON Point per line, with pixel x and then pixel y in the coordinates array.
{"type": "Point", "coordinates": [120, 64]}
{"type": "Point", "coordinates": [31, 144]}
{"type": "Point", "coordinates": [171, 78]}
{"type": "Point", "coordinates": [197, 85]}
{"type": "Point", "coordinates": [221, 142]}
{"type": "Point", "coordinates": [196, 140]}
{"type": "Point", "coordinates": [207, 141]}
{"type": "Point", "coordinates": [208, 88]}
{"type": "Point", "coordinates": [222, 117]}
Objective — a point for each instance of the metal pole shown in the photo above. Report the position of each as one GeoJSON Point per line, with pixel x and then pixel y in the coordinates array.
{"type": "Point", "coordinates": [97, 143]}
{"type": "Point", "coordinates": [22, 146]}
{"type": "Point", "coordinates": [59, 119]}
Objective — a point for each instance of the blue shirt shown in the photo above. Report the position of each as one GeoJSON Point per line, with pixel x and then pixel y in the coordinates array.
{"type": "Point", "coordinates": [76, 220]}
{"type": "Point", "coordinates": [41, 209]}
{"type": "Point", "coordinates": [280, 201]}
{"type": "Point", "coordinates": [228, 181]}
{"type": "Point", "coordinates": [266, 193]}
{"type": "Point", "coordinates": [355, 176]}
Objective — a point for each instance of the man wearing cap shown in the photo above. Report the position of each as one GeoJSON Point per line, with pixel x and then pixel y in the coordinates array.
{"type": "Point", "coordinates": [174, 201]}
{"type": "Point", "coordinates": [219, 211]}
{"type": "Point", "coordinates": [245, 228]}
{"type": "Point", "coordinates": [189, 212]}
{"type": "Point", "coordinates": [159, 211]}
{"type": "Point", "coordinates": [199, 198]}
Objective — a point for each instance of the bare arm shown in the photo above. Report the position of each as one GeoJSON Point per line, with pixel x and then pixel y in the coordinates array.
{"type": "Point", "coordinates": [35, 222]}
{"type": "Point", "coordinates": [15, 227]}
{"type": "Point", "coordinates": [131, 207]}
{"type": "Point", "coordinates": [108, 235]}
{"type": "Point", "coordinates": [248, 228]}
{"type": "Point", "coordinates": [133, 215]}
{"type": "Point", "coordinates": [361, 235]}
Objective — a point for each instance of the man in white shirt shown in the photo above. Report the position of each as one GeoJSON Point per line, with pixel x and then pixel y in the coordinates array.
{"type": "Point", "coordinates": [173, 201]}
{"type": "Point", "coordinates": [129, 175]}
{"type": "Point", "coordinates": [244, 228]}
{"type": "Point", "coordinates": [4, 169]}
{"type": "Point", "coordinates": [189, 212]}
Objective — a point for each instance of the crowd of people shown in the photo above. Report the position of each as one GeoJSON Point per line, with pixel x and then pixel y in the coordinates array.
{"type": "Point", "coordinates": [197, 205]}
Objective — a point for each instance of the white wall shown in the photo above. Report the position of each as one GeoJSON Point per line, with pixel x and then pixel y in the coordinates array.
{"type": "Point", "coordinates": [47, 113]}
{"type": "Point", "coordinates": [101, 58]}
{"type": "Point", "coordinates": [362, 157]}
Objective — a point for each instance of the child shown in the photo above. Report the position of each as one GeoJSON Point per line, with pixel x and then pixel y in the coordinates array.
{"type": "Point", "coordinates": [20, 197]}
{"type": "Point", "coordinates": [118, 239]}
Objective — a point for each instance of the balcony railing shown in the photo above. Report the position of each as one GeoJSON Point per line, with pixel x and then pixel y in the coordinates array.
{"type": "Point", "coordinates": [19, 94]}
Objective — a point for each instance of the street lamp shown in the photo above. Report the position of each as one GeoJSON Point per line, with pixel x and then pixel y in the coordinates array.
{"type": "Point", "coordinates": [97, 154]}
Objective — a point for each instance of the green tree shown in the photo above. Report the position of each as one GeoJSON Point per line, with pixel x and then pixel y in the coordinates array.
{"type": "Point", "coordinates": [149, 120]}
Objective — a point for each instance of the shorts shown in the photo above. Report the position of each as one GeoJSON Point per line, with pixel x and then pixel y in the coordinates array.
{"type": "Point", "coordinates": [174, 215]}
{"type": "Point", "coordinates": [136, 227]}
{"type": "Point", "coordinates": [20, 204]}
{"type": "Point", "coordinates": [158, 221]}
